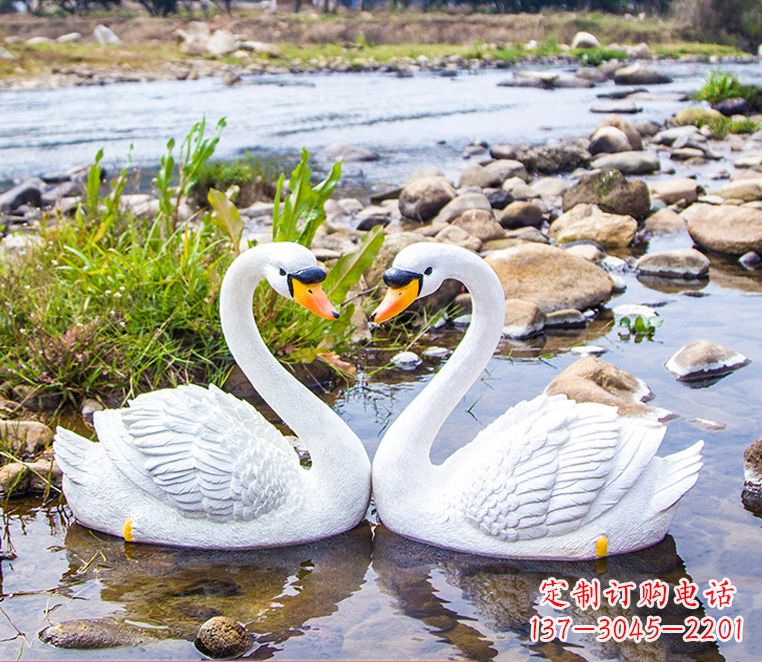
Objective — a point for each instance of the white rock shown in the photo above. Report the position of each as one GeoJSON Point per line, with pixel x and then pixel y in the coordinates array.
{"type": "Point", "coordinates": [436, 352]}
{"type": "Point", "coordinates": [462, 321]}
{"type": "Point", "coordinates": [221, 42]}
{"type": "Point", "coordinates": [70, 37]}
{"type": "Point", "coordinates": [635, 310]}
{"type": "Point", "coordinates": [105, 36]}
{"type": "Point", "coordinates": [588, 350]}
{"type": "Point", "coordinates": [585, 40]}
{"type": "Point", "coordinates": [406, 360]}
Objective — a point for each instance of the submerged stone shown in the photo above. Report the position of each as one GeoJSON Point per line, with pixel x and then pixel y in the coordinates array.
{"type": "Point", "coordinates": [221, 636]}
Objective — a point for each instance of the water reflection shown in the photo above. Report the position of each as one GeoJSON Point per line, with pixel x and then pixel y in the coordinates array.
{"type": "Point", "coordinates": [275, 592]}
{"type": "Point", "coordinates": [505, 596]}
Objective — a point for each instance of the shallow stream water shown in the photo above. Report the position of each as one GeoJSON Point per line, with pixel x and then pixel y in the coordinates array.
{"type": "Point", "coordinates": [371, 594]}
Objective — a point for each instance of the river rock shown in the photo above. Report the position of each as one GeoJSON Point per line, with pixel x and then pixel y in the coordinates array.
{"type": "Point", "coordinates": [555, 157]}
{"type": "Point", "coordinates": [682, 263]}
{"type": "Point", "coordinates": [569, 318]}
{"type": "Point", "coordinates": [587, 250]}
{"type": "Point", "coordinates": [521, 214]}
{"type": "Point", "coordinates": [523, 319]}
{"type": "Point", "coordinates": [458, 237]}
{"type": "Point", "coordinates": [25, 438]}
{"type": "Point", "coordinates": [479, 223]}
{"type": "Point", "coordinates": [633, 134]}
{"type": "Point", "coordinates": [348, 153]}
{"type": "Point", "coordinates": [752, 467]}
{"type": "Point", "coordinates": [592, 380]}
{"type": "Point", "coordinates": [610, 191]}
{"type": "Point", "coordinates": [589, 222]}
{"type": "Point", "coordinates": [499, 198]}
{"type": "Point", "coordinates": [38, 41]}
{"type": "Point", "coordinates": [427, 171]}
{"type": "Point", "coordinates": [624, 107]}
{"type": "Point", "coordinates": [732, 106]}
{"type": "Point", "coordinates": [629, 163]}
{"type": "Point", "coordinates": [461, 204]}
{"type": "Point", "coordinates": [675, 190]}
{"type": "Point", "coordinates": [609, 140]}
{"type": "Point", "coordinates": [493, 174]}
{"type": "Point", "coordinates": [105, 36]}
{"type": "Point", "coordinates": [703, 359]}
{"type": "Point", "coordinates": [585, 40]}
{"type": "Point", "coordinates": [28, 192]}
{"type": "Point", "coordinates": [665, 221]}
{"type": "Point", "coordinates": [423, 198]}
{"type": "Point", "coordinates": [92, 633]}
{"type": "Point", "coordinates": [748, 189]}
{"type": "Point", "coordinates": [726, 229]}
{"type": "Point", "coordinates": [221, 636]}
{"type": "Point", "coordinates": [518, 189]}
{"type": "Point", "coordinates": [549, 188]}
{"type": "Point", "coordinates": [550, 277]}
{"type": "Point", "coordinates": [639, 74]}
{"type": "Point", "coordinates": [687, 154]}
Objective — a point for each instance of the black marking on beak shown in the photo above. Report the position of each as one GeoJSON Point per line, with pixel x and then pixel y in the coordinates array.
{"type": "Point", "coordinates": [399, 278]}
{"type": "Point", "coordinates": [306, 277]}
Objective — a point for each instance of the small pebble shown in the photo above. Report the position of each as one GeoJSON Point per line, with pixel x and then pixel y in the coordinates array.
{"type": "Point", "coordinates": [707, 424]}
{"type": "Point", "coordinates": [635, 310]}
{"type": "Point", "coordinates": [750, 260]}
{"type": "Point", "coordinates": [406, 360]}
{"type": "Point", "coordinates": [222, 637]}
{"type": "Point", "coordinates": [620, 285]}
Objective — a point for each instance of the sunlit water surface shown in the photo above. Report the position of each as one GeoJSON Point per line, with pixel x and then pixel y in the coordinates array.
{"type": "Point", "coordinates": [369, 593]}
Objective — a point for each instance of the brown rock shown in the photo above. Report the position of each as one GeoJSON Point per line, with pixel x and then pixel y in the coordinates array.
{"type": "Point", "coordinates": [25, 438]}
{"type": "Point", "coordinates": [523, 319]}
{"type": "Point", "coordinates": [521, 214]}
{"type": "Point", "coordinates": [747, 190]}
{"type": "Point", "coordinates": [702, 359]}
{"type": "Point", "coordinates": [92, 633]}
{"type": "Point", "coordinates": [588, 222]}
{"type": "Point", "coordinates": [459, 237]}
{"type": "Point", "coordinates": [633, 135]}
{"type": "Point", "coordinates": [424, 197]}
{"type": "Point", "coordinates": [221, 636]}
{"type": "Point", "coordinates": [550, 277]}
{"type": "Point", "coordinates": [593, 380]}
{"type": "Point", "coordinates": [392, 245]}
{"type": "Point", "coordinates": [726, 228]}
{"type": "Point", "coordinates": [665, 221]}
{"type": "Point", "coordinates": [480, 224]}
{"type": "Point", "coordinates": [612, 192]}
{"type": "Point", "coordinates": [681, 263]}
{"type": "Point", "coordinates": [675, 190]}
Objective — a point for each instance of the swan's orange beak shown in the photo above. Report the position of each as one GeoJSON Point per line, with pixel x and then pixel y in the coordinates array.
{"type": "Point", "coordinates": [395, 301]}
{"type": "Point", "coordinates": [312, 297]}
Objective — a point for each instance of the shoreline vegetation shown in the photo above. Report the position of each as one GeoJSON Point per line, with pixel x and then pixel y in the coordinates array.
{"type": "Point", "coordinates": [60, 51]}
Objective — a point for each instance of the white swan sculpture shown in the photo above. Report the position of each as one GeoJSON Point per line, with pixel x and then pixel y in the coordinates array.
{"type": "Point", "coordinates": [196, 467]}
{"type": "Point", "coordinates": [549, 479]}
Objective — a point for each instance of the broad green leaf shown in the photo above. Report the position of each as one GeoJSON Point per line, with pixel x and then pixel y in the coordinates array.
{"type": "Point", "coordinates": [226, 217]}
{"type": "Point", "coordinates": [348, 269]}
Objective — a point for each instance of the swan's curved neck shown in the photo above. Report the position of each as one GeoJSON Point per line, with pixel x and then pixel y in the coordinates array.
{"type": "Point", "coordinates": [405, 450]}
{"type": "Point", "coordinates": [333, 446]}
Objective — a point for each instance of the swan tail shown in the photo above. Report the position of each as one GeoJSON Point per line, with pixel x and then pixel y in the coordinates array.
{"type": "Point", "coordinates": [679, 473]}
{"type": "Point", "coordinates": [71, 452]}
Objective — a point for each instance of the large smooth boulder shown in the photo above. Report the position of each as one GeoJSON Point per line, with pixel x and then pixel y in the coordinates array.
{"type": "Point", "coordinates": [423, 198]}
{"type": "Point", "coordinates": [681, 263]}
{"type": "Point", "coordinates": [550, 277]}
{"type": "Point", "coordinates": [726, 228]}
{"type": "Point", "coordinates": [665, 221]}
{"type": "Point", "coordinates": [461, 204]}
{"type": "Point", "coordinates": [747, 190]}
{"type": "Point", "coordinates": [28, 192]}
{"type": "Point", "coordinates": [702, 359]}
{"type": "Point", "coordinates": [590, 223]}
{"type": "Point", "coordinates": [479, 223]}
{"type": "Point", "coordinates": [593, 380]}
{"type": "Point", "coordinates": [632, 133]}
{"type": "Point", "coordinates": [520, 214]}
{"type": "Point", "coordinates": [675, 190]}
{"type": "Point", "coordinates": [609, 140]}
{"type": "Point", "coordinates": [585, 40]}
{"type": "Point", "coordinates": [610, 191]}
{"type": "Point", "coordinates": [640, 74]}
{"type": "Point", "coordinates": [629, 163]}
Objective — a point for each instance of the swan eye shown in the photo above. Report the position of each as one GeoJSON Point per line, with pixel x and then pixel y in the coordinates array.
{"type": "Point", "coordinates": [282, 271]}
{"type": "Point", "coordinates": [428, 271]}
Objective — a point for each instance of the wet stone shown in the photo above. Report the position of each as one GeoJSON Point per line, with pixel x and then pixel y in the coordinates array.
{"type": "Point", "coordinates": [702, 360]}
{"type": "Point", "coordinates": [750, 260]}
{"type": "Point", "coordinates": [221, 636]}
{"type": "Point", "coordinates": [683, 263]}
{"type": "Point", "coordinates": [523, 319]}
{"type": "Point", "coordinates": [406, 360]}
{"type": "Point", "coordinates": [92, 634]}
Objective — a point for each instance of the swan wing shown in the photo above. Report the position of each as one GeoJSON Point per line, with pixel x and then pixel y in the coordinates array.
{"type": "Point", "coordinates": [550, 465]}
{"type": "Point", "coordinates": [204, 451]}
